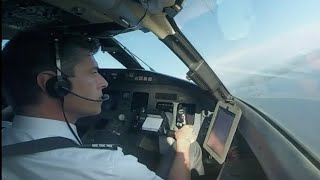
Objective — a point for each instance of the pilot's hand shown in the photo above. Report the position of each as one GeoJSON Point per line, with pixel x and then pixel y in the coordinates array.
{"type": "Point", "coordinates": [184, 137]}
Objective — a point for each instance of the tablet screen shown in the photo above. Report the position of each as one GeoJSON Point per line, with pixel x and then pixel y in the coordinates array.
{"type": "Point", "coordinates": [220, 131]}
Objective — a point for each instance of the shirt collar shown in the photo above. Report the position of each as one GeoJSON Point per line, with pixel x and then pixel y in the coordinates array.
{"type": "Point", "coordinates": [41, 127]}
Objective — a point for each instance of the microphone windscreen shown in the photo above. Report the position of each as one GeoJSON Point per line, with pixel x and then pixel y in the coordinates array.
{"type": "Point", "coordinates": [105, 97]}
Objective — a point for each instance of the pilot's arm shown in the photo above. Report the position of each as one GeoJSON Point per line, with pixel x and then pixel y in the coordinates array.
{"type": "Point", "coordinates": [180, 168]}
{"type": "Point", "coordinates": [126, 167]}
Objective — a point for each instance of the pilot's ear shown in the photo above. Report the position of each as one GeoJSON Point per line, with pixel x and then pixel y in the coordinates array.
{"type": "Point", "coordinates": [43, 78]}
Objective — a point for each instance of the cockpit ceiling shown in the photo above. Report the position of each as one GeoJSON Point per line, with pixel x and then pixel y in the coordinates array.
{"type": "Point", "coordinates": [18, 15]}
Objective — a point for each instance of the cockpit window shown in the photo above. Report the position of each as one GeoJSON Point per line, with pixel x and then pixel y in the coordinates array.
{"type": "Point", "coordinates": [3, 102]}
{"type": "Point", "coordinates": [266, 53]}
{"type": "Point", "coordinates": [154, 53]}
{"type": "Point", "coordinates": [105, 61]}
{"type": "Point", "coordinates": [3, 43]}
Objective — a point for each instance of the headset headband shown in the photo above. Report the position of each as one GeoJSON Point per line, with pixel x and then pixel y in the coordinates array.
{"type": "Point", "coordinates": [58, 60]}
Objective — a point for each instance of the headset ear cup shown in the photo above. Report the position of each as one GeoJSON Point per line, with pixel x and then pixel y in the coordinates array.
{"type": "Point", "coordinates": [57, 88]}
{"type": "Point", "coordinates": [50, 87]}
{"type": "Point", "coordinates": [61, 86]}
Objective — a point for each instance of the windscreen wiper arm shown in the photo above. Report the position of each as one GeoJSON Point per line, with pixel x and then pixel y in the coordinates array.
{"type": "Point", "coordinates": [122, 54]}
{"type": "Point", "coordinates": [118, 52]}
{"type": "Point", "coordinates": [133, 55]}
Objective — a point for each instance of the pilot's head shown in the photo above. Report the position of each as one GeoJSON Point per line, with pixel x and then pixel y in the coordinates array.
{"type": "Point", "coordinates": [29, 62]}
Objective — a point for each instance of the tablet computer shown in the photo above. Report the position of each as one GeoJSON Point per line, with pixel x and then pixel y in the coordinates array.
{"type": "Point", "coordinates": [221, 130]}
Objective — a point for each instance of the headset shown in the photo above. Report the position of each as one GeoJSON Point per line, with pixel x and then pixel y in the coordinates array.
{"type": "Point", "coordinates": [59, 86]}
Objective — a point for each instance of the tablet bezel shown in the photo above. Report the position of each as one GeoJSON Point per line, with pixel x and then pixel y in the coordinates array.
{"type": "Point", "coordinates": [233, 109]}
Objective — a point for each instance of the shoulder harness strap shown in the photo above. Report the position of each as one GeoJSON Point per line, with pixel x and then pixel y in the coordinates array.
{"type": "Point", "coordinates": [48, 144]}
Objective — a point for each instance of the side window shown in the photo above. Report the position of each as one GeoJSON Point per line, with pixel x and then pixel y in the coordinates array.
{"type": "Point", "coordinates": [105, 60]}
{"type": "Point", "coordinates": [3, 102]}
{"type": "Point", "coordinates": [4, 42]}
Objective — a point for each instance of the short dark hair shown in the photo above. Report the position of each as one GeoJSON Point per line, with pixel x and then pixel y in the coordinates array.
{"type": "Point", "coordinates": [32, 52]}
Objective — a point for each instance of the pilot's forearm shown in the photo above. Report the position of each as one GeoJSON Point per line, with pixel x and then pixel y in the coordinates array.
{"type": "Point", "coordinates": [180, 168]}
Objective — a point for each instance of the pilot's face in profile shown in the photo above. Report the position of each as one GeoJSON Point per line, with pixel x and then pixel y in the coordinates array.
{"type": "Point", "coordinates": [88, 83]}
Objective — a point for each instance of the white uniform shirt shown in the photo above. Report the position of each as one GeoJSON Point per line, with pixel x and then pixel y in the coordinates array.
{"type": "Point", "coordinates": [68, 163]}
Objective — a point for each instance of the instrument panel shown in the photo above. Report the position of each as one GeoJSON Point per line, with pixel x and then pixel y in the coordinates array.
{"type": "Point", "coordinates": [136, 93]}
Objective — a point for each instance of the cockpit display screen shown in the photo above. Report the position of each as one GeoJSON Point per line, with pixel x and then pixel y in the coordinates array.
{"type": "Point", "coordinates": [220, 131]}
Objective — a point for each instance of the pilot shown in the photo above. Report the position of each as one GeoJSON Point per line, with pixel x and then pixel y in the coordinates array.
{"type": "Point", "coordinates": [51, 81]}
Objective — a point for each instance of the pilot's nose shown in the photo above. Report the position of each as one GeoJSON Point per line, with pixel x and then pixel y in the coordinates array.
{"type": "Point", "coordinates": [103, 83]}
